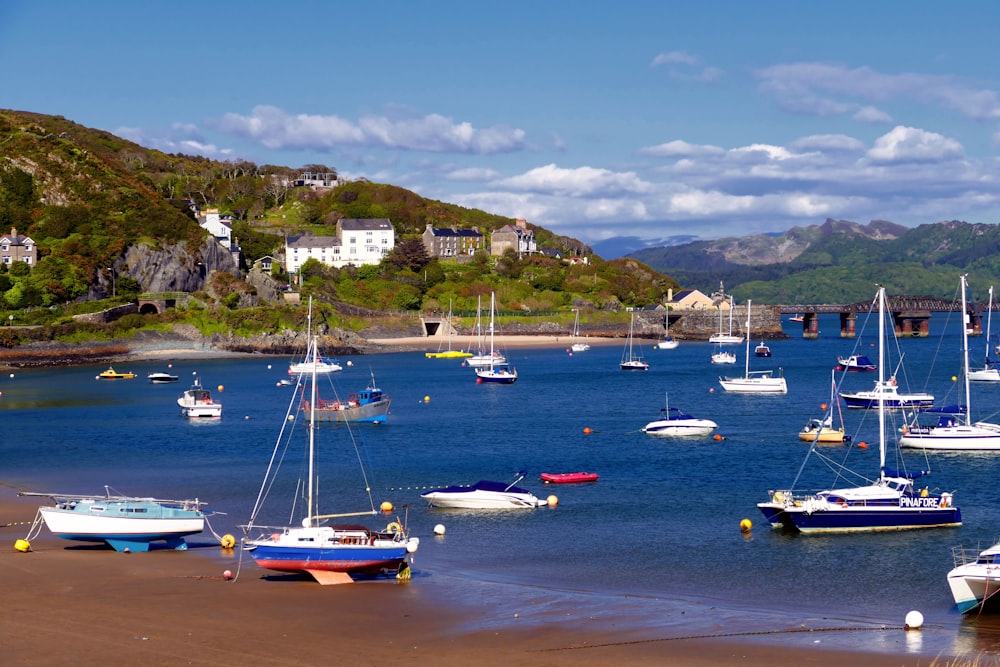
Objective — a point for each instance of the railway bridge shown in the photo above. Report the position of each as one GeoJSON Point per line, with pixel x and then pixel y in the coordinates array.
{"type": "Point", "coordinates": [910, 315]}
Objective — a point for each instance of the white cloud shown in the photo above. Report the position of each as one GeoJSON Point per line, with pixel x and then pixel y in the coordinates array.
{"type": "Point", "coordinates": [827, 142]}
{"type": "Point", "coordinates": [673, 58]}
{"type": "Point", "coordinates": [578, 182]}
{"type": "Point", "coordinates": [868, 114]}
{"type": "Point", "coordinates": [679, 148]}
{"type": "Point", "coordinates": [684, 66]}
{"type": "Point", "coordinates": [472, 174]}
{"type": "Point", "coordinates": [178, 138]}
{"type": "Point", "coordinates": [908, 144]}
{"type": "Point", "coordinates": [433, 133]}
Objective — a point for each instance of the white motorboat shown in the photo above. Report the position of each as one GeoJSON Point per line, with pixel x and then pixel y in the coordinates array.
{"type": "Point", "coordinates": [484, 495]}
{"type": "Point", "coordinates": [161, 378]}
{"type": "Point", "coordinates": [675, 423]}
{"type": "Point", "coordinates": [126, 523]}
{"type": "Point", "coordinates": [754, 382]}
{"type": "Point", "coordinates": [724, 357]}
{"type": "Point", "coordinates": [975, 578]}
{"type": "Point", "coordinates": [197, 402]}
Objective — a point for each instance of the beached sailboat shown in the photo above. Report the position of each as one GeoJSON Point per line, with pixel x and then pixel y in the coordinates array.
{"type": "Point", "coordinates": [989, 372]}
{"type": "Point", "coordinates": [754, 382]}
{"type": "Point", "coordinates": [331, 554]}
{"type": "Point", "coordinates": [673, 422]}
{"type": "Point", "coordinates": [631, 357]}
{"type": "Point", "coordinates": [447, 353]}
{"type": "Point", "coordinates": [890, 502]}
{"type": "Point", "coordinates": [578, 345]}
{"type": "Point", "coordinates": [481, 355]}
{"type": "Point", "coordinates": [126, 523]}
{"type": "Point", "coordinates": [496, 372]}
{"type": "Point", "coordinates": [955, 429]}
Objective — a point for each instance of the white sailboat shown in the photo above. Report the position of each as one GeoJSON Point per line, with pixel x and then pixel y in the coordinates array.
{"type": "Point", "coordinates": [578, 345]}
{"type": "Point", "coordinates": [722, 337]}
{"type": "Point", "coordinates": [889, 502]}
{"type": "Point", "coordinates": [989, 372]}
{"type": "Point", "coordinates": [955, 429]}
{"type": "Point", "coordinates": [631, 359]}
{"type": "Point", "coordinates": [496, 372]}
{"type": "Point", "coordinates": [668, 342]}
{"type": "Point", "coordinates": [754, 382]}
{"type": "Point", "coordinates": [331, 554]}
{"type": "Point", "coordinates": [480, 356]}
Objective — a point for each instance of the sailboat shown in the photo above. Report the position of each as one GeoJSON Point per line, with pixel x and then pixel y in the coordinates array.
{"type": "Point", "coordinates": [667, 342]}
{"type": "Point", "coordinates": [331, 554]}
{"type": "Point", "coordinates": [496, 372]}
{"type": "Point", "coordinates": [722, 337]}
{"type": "Point", "coordinates": [447, 353]}
{"type": "Point", "coordinates": [578, 345]}
{"type": "Point", "coordinates": [632, 360]}
{"type": "Point", "coordinates": [480, 357]}
{"type": "Point", "coordinates": [889, 502]}
{"type": "Point", "coordinates": [822, 430]}
{"type": "Point", "coordinates": [307, 366]}
{"type": "Point", "coordinates": [754, 382]}
{"type": "Point", "coordinates": [989, 372]}
{"type": "Point", "coordinates": [955, 430]}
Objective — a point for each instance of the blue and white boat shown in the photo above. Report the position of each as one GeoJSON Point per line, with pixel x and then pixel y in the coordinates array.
{"type": "Point", "coordinates": [330, 553]}
{"type": "Point", "coordinates": [673, 422]}
{"type": "Point", "coordinates": [369, 405]}
{"type": "Point", "coordinates": [126, 523]}
{"type": "Point", "coordinates": [484, 495]}
{"type": "Point", "coordinates": [890, 502]}
{"type": "Point", "coordinates": [495, 371]}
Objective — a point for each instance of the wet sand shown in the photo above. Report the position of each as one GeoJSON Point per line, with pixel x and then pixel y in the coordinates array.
{"type": "Point", "coordinates": [69, 603]}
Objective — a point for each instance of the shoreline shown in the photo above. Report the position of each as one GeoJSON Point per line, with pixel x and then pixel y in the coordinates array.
{"type": "Point", "coordinates": [169, 607]}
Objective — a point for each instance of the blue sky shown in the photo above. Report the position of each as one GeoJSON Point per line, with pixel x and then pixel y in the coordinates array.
{"type": "Point", "coordinates": [592, 119]}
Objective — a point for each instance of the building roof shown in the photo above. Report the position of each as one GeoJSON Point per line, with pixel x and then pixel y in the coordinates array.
{"type": "Point", "coordinates": [365, 224]}
{"type": "Point", "coordinates": [446, 231]}
{"type": "Point", "coordinates": [15, 239]}
{"type": "Point", "coordinates": [683, 294]}
{"type": "Point", "coordinates": [307, 241]}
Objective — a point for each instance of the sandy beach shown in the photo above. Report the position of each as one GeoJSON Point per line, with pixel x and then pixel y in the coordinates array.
{"type": "Point", "coordinates": [68, 603]}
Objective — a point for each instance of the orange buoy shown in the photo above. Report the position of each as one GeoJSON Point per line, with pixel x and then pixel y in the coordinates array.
{"type": "Point", "coordinates": [862, 445]}
{"type": "Point", "coordinates": [586, 430]}
{"type": "Point", "coordinates": [822, 406]}
{"type": "Point", "coordinates": [717, 437]}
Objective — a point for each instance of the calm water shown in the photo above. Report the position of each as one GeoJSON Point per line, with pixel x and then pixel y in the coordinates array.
{"type": "Point", "coordinates": [660, 527]}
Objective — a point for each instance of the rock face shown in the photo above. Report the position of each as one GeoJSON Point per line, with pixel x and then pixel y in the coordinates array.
{"type": "Point", "coordinates": [175, 268]}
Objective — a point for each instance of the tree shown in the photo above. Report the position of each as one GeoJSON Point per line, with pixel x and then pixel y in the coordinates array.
{"type": "Point", "coordinates": [409, 253]}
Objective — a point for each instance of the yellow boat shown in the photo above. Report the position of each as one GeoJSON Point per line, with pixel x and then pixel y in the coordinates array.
{"type": "Point", "coordinates": [112, 374]}
{"type": "Point", "coordinates": [820, 430]}
{"type": "Point", "coordinates": [447, 354]}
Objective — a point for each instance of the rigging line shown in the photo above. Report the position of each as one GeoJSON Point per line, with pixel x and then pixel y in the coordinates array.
{"type": "Point", "coordinates": [268, 481]}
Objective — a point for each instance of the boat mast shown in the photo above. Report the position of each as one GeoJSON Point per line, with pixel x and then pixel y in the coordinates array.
{"type": "Point", "coordinates": [747, 372]}
{"type": "Point", "coordinates": [965, 350]}
{"type": "Point", "coordinates": [881, 381]}
{"type": "Point", "coordinates": [989, 318]}
{"type": "Point", "coordinates": [311, 510]}
{"type": "Point", "coordinates": [492, 326]}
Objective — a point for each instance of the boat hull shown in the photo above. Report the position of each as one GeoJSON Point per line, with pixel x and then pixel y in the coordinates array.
{"type": "Point", "coordinates": [209, 411]}
{"type": "Point", "coordinates": [135, 534]}
{"type": "Point", "coordinates": [985, 375]}
{"type": "Point", "coordinates": [376, 412]}
{"type": "Point", "coordinates": [953, 438]}
{"type": "Point", "coordinates": [348, 559]}
{"type": "Point", "coordinates": [496, 376]}
{"type": "Point", "coordinates": [634, 366]}
{"type": "Point", "coordinates": [667, 344]}
{"type": "Point", "coordinates": [870, 401]}
{"type": "Point", "coordinates": [854, 518]}
{"type": "Point", "coordinates": [754, 385]}
{"type": "Point", "coordinates": [826, 434]}
{"type": "Point", "coordinates": [680, 427]}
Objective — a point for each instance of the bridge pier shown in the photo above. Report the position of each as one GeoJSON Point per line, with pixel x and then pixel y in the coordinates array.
{"type": "Point", "coordinates": [848, 324]}
{"type": "Point", "coordinates": [912, 324]}
{"type": "Point", "coordinates": [810, 325]}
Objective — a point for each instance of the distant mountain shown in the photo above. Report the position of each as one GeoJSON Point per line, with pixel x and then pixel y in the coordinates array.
{"type": "Point", "coordinates": [623, 246]}
{"type": "Point", "coordinates": [838, 261]}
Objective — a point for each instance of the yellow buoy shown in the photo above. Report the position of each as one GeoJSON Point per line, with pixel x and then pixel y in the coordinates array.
{"type": "Point", "coordinates": [386, 506]}
{"type": "Point", "coordinates": [221, 388]}
{"type": "Point", "coordinates": [745, 525]}
{"type": "Point", "coordinates": [22, 545]}
{"type": "Point", "coordinates": [954, 379]}
{"type": "Point", "coordinates": [552, 501]}
{"type": "Point", "coordinates": [227, 541]}
{"type": "Point", "coordinates": [427, 399]}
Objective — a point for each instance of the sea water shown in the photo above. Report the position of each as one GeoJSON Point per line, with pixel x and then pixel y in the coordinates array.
{"type": "Point", "coordinates": [656, 540]}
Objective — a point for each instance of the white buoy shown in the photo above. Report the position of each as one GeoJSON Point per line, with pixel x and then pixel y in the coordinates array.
{"type": "Point", "coordinates": [269, 367]}
{"type": "Point", "coordinates": [439, 529]}
{"type": "Point", "coordinates": [914, 619]}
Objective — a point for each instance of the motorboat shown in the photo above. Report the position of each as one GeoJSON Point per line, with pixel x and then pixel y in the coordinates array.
{"type": "Point", "coordinates": [112, 374]}
{"type": "Point", "coordinates": [724, 357]}
{"type": "Point", "coordinates": [631, 357]}
{"type": "Point", "coordinates": [161, 378]}
{"type": "Point", "coordinates": [673, 422]}
{"type": "Point", "coordinates": [762, 350]}
{"type": "Point", "coordinates": [754, 382]}
{"type": "Point", "coordinates": [126, 523]}
{"type": "Point", "coordinates": [322, 366]}
{"type": "Point", "coordinates": [889, 502]}
{"type": "Point", "coordinates": [856, 363]}
{"type": "Point", "coordinates": [568, 477]}
{"type": "Point", "coordinates": [369, 405]}
{"type": "Point", "coordinates": [975, 578]}
{"type": "Point", "coordinates": [197, 402]}
{"type": "Point", "coordinates": [484, 495]}
{"type": "Point", "coordinates": [886, 392]}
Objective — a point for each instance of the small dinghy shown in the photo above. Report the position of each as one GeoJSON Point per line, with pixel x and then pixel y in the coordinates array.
{"type": "Point", "coordinates": [568, 477]}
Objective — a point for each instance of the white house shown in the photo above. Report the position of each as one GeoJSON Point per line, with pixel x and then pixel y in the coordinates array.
{"type": "Point", "coordinates": [218, 226]}
{"type": "Point", "coordinates": [358, 242]}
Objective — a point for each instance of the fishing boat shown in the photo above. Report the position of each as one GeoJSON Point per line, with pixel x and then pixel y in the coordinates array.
{"type": "Point", "coordinates": [578, 345]}
{"type": "Point", "coordinates": [496, 372]}
{"type": "Point", "coordinates": [484, 495]}
{"type": "Point", "coordinates": [667, 342]}
{"type": "Point", "coordinates": [725, 337]}
{"type": "Point", "coordinates": [632, 357]}
{"type": "Point", "coordinates": [975, 578]}
{"type": "Point", "coordinates": [954, 429]}
{"type": "Point", "coordinates": [855, 363]}
{"type": "Point", "coordinates": [989, 372]}
{"type": "Point", "coordinates": [762, 350]}
{"type": "Point", "coordinates": [125, 523]}
{"type": "Point", "coordinates": [112, 374]}
{"type": "Point", "coordinates": [197, 402]}
{"type": "Point", "coordinates": [369, 405]}
{"type": "Point", "coordinates": [754, 382]}
{"type": "Point", "coordinates": [481, 355]}
{"type": "Point", "coordinates": [329, 553]}
{"type": "Point", "coordinates": [161, 378]}
{"type": "Point", "coordinates": [568, 477]}
{"type": "Point", "coordinates": [822, 430]}
{"type": "Point", "coordinates": [673, 422]}
{"type": "Point", "coordinates": [448, 353]}
{"type": "Point", "coordinates": [890, 502]}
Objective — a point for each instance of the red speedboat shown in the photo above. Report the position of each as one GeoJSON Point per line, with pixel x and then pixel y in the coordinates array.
{"type": "Point", "coordinates": [568, 477]}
